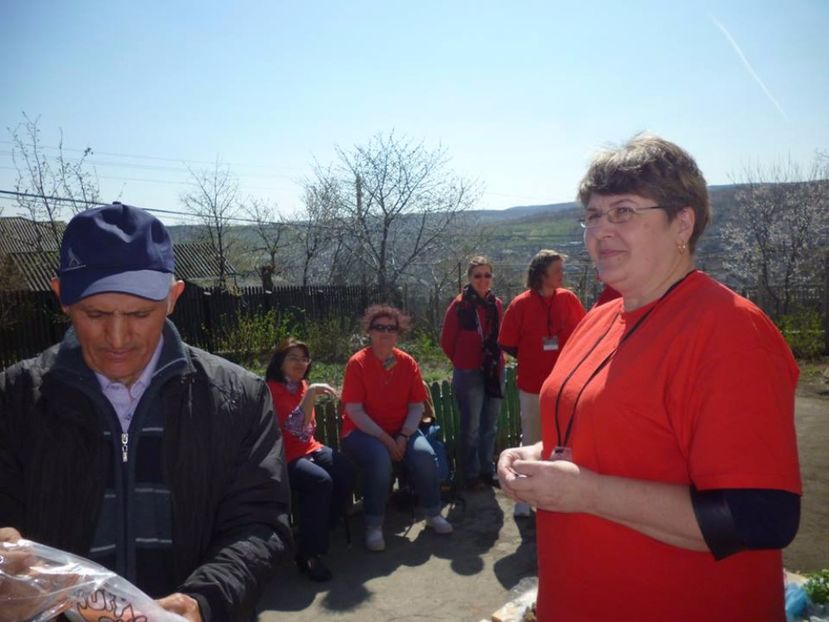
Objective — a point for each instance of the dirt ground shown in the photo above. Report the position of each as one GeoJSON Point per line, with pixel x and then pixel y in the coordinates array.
{"type": "Point", "coordinates": [420, 576]}
{"type": "Point", "coordinates": [810, 549]}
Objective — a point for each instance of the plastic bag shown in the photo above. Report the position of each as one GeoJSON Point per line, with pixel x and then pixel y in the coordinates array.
{"type": "Point", "coordinates": [38, 582]}
{"type": "Point", "coordinates": [796, 602]}
{"type": "Point", "coordinates": [432, 434]}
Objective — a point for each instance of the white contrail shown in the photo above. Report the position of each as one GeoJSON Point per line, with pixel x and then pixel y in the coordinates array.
{"type": "Point", "coordinates": [748, 65]}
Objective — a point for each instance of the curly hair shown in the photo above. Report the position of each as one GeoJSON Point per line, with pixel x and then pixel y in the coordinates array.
{"type": "Point", "coordinates": [274, 371]}
{"type": "Point", "coordinates": [402, 320]}
{"type": "Point", "coordinates": [655, 168]}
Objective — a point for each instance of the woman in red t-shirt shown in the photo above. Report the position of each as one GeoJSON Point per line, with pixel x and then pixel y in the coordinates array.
{"type": "Point", "coordinates": [384, 396]}
{"type": "Point", "coordinates": [667, 478]}
{"type": "Point", "coordinates": [321, 478]}
{"type": "Point", "coordinates": [469, 338]}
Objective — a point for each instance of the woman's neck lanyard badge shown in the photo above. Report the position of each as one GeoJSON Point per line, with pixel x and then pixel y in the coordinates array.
{"type": "Point", "coordinates": [562, 451]}
{"type": "Point", "coordinates": [549, 342]}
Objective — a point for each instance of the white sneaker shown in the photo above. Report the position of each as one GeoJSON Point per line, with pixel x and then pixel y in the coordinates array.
{"type": "Point", "coordinates": [439, 524]}
{"type": "Point", "coordinates": [522, 509]}
{"type": "Point", "coordinates": [374, 539]}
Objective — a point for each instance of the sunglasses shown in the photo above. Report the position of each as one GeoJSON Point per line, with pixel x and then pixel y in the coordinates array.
{"type": "Point", "coordinates": [482, 275]}
{"type": "Point", "coordinates": [298, 359]}
{"type": "Point", "coordinates": [384, 328]}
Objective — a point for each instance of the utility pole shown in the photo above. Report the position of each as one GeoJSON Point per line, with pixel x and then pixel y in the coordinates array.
{"type": "Point", "coordinates": [826, 302]}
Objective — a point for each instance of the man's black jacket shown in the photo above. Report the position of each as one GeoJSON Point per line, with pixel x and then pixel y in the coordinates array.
{"type": "Point", "coordinates": [222, 460]}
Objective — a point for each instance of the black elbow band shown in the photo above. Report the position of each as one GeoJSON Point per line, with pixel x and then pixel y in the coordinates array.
{"type": "Point", "coordinates": [716, 522]}
{"type": "Point", "coordinates": [737, 519]}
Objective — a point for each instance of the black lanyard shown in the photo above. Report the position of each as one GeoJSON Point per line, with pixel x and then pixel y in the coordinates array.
{"type": "Point", "coordinates": [547, 310]}
{"type": "Point", "coordinates": [603, 364]}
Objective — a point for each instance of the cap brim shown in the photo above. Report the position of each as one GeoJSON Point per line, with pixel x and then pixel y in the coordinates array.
{"type": "Point", "coordinates": [149, 284]}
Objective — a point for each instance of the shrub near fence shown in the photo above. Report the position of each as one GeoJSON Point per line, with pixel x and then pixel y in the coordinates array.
{"type": "Point", "coordinates": [32, 321]}
{"type": "Point", "coordinates": [203, 315]}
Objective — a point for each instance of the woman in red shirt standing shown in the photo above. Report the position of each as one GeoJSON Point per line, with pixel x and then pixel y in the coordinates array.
{"type": "Point", "coordinates": [667, 477]}
{"type": "Point", "coordinates": [470, 339]}
{"type": "Point", "coordinates": [320, 477]}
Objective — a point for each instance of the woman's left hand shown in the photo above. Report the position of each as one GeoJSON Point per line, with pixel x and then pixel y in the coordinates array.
{"type": "Point", "coordinates": [401, 442]}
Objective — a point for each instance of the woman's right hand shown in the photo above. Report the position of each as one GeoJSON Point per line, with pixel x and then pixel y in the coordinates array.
{"type": "Point", "coordinates": [311, 393]}
{"type": "Point", "coordinates": [321, 388]}
{"type": "Point", "coordinates": [506, 473]}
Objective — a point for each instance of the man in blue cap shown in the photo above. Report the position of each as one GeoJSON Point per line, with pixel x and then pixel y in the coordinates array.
{"type": "Point", "coordinates": [123, 444]}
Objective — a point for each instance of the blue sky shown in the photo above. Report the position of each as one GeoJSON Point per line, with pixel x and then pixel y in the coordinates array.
{"type": "Point", "coordinates": [520, 94]}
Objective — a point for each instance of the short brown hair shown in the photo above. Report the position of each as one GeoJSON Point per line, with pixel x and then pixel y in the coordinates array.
{"type": "Point", "coordinates": [393, 313]}
{"type": "Point", "coordinates": [477, 260]}
{"type": "Point", "coordinates": [274, 371]}
{"type": "Point", "coordinates": [538, 267]}
{"type": "Point", "coordinates": [655, 168]}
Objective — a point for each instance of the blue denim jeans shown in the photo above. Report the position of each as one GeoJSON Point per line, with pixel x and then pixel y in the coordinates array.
{"type": "Point", "coordinates": [375, 464]}
{"type": "Point", "coordinates": [323, 481]}
{"type": "Point", "coordinates": [478, 423]}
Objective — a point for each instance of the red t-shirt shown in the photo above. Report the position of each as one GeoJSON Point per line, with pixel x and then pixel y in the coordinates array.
{"type": "Point", "coordinates": [607, 294]}
{"type": "Point", "coordinates": [531, 319]}
{"type": "Point", "coordinates": [284, 402]}
{"type": "Point", "coordinates": [463, 346]}
{"type": "Point", "coordinates": [385, 393]}
{"type": "Point", "coordinates": [702, 392]}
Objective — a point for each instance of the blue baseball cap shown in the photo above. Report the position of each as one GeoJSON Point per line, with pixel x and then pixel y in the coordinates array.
{"type": "Point", "coordinates": [115, 248]}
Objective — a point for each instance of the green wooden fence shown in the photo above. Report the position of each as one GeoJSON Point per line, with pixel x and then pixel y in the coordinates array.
{"type": "Point", "coordinates": [446, 416]}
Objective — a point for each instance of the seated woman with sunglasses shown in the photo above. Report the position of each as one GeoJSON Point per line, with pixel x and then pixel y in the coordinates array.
{"type": "Point", "coordinates": [321, 478]}
{"type": "Point", "coordinates": [384, 395]}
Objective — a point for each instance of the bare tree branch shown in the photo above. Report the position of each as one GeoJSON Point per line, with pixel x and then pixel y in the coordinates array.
{"type": "Point", "coordinates": [779, 225]}
{"type": "Point", "coordinates": [396, 201]}
{"type": "Point", "coordinates": [214, 202]}
{"type": "Point", "coordinates": [45, 176]}
{"type": "Point", "coordinates": [271, 233]}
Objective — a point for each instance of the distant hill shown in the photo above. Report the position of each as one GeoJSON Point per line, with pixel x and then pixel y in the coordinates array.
{"type": "Point", "coordinates": [519, 211]}
{"type": "Point", "coordinates": [515, 234]}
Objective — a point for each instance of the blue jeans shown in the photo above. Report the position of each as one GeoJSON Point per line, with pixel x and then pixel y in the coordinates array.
{"type": "Point", "coordinates": [478, 423]}
{"type": "Point", "coordinates": [375, 464]}
{"type": "Point", "coordinates": [323, 482]}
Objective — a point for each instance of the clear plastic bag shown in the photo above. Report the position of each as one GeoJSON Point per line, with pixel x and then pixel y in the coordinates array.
{"type": "Point", "coordinates": [38, 582]}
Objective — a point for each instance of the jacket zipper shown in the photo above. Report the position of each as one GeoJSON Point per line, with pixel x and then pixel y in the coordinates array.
{"type": "Point", "coordinates": [125, 439]}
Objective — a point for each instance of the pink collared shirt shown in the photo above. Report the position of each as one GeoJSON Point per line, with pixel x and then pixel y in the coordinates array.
{"type": "Point", "coordinates": [124, 399]}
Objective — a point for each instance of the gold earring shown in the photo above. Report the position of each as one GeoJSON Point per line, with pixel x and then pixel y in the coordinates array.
{"type": "Point", "coordinates": [682, 247]}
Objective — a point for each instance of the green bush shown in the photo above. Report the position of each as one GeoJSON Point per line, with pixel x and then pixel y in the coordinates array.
{"type": "Point", "coordinates": [253, 336]}
{"type": "Point", "coordinates": [421, 346]}
{"type": "Point", "coordinates": [333, 339]}
{"type": "Point", "coordinates": [803, 331]}
{"type": "Point", "coordinates": [817, 586]}
{"type": "Point", "coordinates": [434, 366]}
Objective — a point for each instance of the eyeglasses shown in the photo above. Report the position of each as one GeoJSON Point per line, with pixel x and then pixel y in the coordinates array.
{"type": "Point", "coordinates": [482, 275]}
{"type": "Point", "coordinates": [297, 359]}
{"type": "Point", "coordinates": [615, 215]}
{"type": "Point", "coordinates": [384, 328]}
